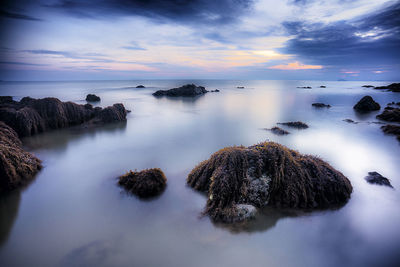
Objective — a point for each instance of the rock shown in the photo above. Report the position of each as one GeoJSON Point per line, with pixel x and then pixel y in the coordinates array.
{"type": "Point", "coordinates": [267, 174]}
{"type": "Point", "coordinates": [186, 90]}
{"type": "Point", "coordinates": [376, 178]}
{"type": "Point", "coordinates": [214, 91]}
{"type": "Point", "coordinates": [92, 98]}
{"type": "Point", "coordinates": [392, 129]}
{"type": "Point", "coordinates": [278, 131]}
{"type": "Point", "coordinates": [368, 86]}
{"type": "Point", "coordinates": [144, 184]}
{"type": "Point", "coordinates": [240, 87]}
{"type": "Point", "coordinates": [295, 124]}
{"type": "Point", "coordinates": [140, 86]}
{"type": "Point", "coordinates": [392, 115]}
{"type": "Point", "coordinates": [304, 87]}
{"type": "Point", "coordinates": [350, 121]}
{"type": "Point", "coordinates": [17, 167]}
{"type": "Point", "coordinates": [322, 86]}
{"type": "Point", "coordinates": [32, 116]}
{"type": "Point", "coordinates": [321, 105]}
{"type": "Point", "coordinates": [394, 87]}
{"type": "Point", "coordinates": [366, 104]}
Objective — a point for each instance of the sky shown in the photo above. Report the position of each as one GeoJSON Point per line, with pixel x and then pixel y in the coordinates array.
{"type": "Point", "coordinates": [200, 39]}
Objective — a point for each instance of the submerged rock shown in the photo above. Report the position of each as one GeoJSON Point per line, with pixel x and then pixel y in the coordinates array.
{"type": "Point", "coordinates": [392, 129]}
{"type": "Point", "coordinates": [92, 98]}
{"type": "Point", "coordinates": [394, 87]}
{"type": "Point", "coordinates": [392, 115]}
{"type": "Point", "coordinates": [267, 174]}
{"type": "Point", "coordinates": [376, 178]}
{"type": "Point", "coordinates": [140, 86]}
{"type": "Point", "coordinates": [186, 90]}
{"type": "Point", "coordinates": [31, 116]}
{"type": "Point", "coordinates": [295, 124]}
{"type": "Point", "coordinates": [278, 131]}
{"type": "Point", "coordinates": [367, 104]}
{"type": "Point", "coordinates": [17, 167]}
{"type": "Point", "coordinates": [350, 121]}
{"type": "Point", "coordinates": [144, 184]}
{"type": "Point", "coordinates": [321, 105]}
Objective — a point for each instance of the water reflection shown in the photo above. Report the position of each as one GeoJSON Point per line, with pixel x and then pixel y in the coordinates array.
{"type": "Point", "coordinates": [9, 205]}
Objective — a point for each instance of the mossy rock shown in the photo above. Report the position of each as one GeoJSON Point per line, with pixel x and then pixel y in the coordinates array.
{"type": "Point", "coordinates": [144, 184]}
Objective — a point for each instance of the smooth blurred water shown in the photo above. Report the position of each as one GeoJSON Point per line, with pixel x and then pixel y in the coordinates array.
{"type": "Point", "coordinates": [74, 214]}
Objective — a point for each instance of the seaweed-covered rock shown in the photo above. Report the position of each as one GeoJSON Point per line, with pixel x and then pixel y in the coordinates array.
{"type": "Point", "coordinates": [295, 124]}
{"type": "Point", "coordinates": [140, 86]}
{"type": "Point", "coordinates": [394, 87]}
{"type": "Point", "coordinates": [321, 105]}
{"type": "Point", "coordinates": [267, 174]}
{"type": "Point", "coordinates": [31, 116]}
{"type": "Point", "coordinates": [17, 167]}
{"type": "Point", "coordinates": [392, 129]}
{"type": "Point", "coordinates": [144, 184]}
{"type": "Point", "coordinates": [92, 98]}
{"type": "Point", "coordinates": [377, 178]}
{"type": "Point", "coordinates": [278, 131]}
{"type": "Point", "coordinates": [186, 90]}
{"type": "Point", "coordinates": [392, 115]}
{"type": "Point", "coordinates": [366, 104]}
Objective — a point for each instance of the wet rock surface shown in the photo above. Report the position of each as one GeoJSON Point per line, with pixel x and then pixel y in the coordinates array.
{"type": "Point", "coordinates": [366, 104]}
{"type": "Point", "coordinates": [267, 174]}
{"type": "Point", "coordinates": [32, 116]}
{"type": "Point", "coordinates": [295, 124]}
{"type": "Point", "coordinates": [391, 115]}
{"type": "Point", "coordinates": [278, 131]}
{"type": "Point", "coordinates": [188, 90]}
{"type": "Point", "coordinates": [144, 184]}
{"type": "Point", "coordinates": [394, 87]}
{"type": "Point", "coordinates": [17, 167]}
{"type": "Point", "coordinates": [377, 178]}
{"type": "Point", "coordinates": [392, 130]}
{"type": "Point", "coordinates": [321, 105]}
{"type": "Point", "coordinates": [92, 98]}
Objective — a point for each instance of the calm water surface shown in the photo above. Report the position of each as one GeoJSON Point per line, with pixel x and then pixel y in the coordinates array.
{"type": "Point", "coordinates": [74, 214]}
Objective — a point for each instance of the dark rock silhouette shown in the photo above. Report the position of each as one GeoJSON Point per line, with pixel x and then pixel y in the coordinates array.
{"type": "Point", "coordinates": [278, 131]}
{"type": "Point", "coordinates": [214, 91]}
{"type": "Point", "coordinates": [140, 86]}
{"type": "Point", "coordinates": [295, 124]}
{"type": "Point", "coordinates": [267, 174]}
{"type": "Point", "coordinates": [376, 178]}
{"type": "Point", "coordinates": [144, 184]}
{"type": "Point", "coordinates": [186, 90]}
{"type": "Point", "coordinates": [394, 87]}
{"type": "Point", "coordinates": [321, 105]}
{"type": "Point", "coordinates": [366, 104]}
{"type": "Point", "coordinates": [392, 115]}
{"type": "Point", "coordinates": [350, 121]}
{"type": "Point", "coordinates": [368, 86]}
{"type": "Point", "coordinates": [392, 129]}
{"type": "Point", "coordinates": [31, 116]}
{"type": "Point", "coordinates": [304, 87]}
{"type": "Point", "coordinates": [322, 86]}
{"type": "Point", "coordinates": [240, 87]}
{"type": "Point", "coordinates": [92, 98]}
{"type": "Point", "coordinates": [17, 167]}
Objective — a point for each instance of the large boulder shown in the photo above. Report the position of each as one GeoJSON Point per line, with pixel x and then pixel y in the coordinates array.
{"type": "Point", "coordinates": [31, 116]}
{"type": "Point", "coordinates": [367, 104]}
{"type": "Point", "coordinates": [186, 90]}
{"type": "Point", "coordinates": [17, 167]}
{"type": "Point", "coordinates": [267, 174]}
{"type": "Point", "coordinates": [144, 184]}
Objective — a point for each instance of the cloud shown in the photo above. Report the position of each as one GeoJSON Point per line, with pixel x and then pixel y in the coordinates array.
{"type": "Point", "coordinates": [296, 66]}
{"type": "Point", "coordinates": [20, 63]}
{"type": "Point", "coordinates": [195, 11]}
{"type": "Point", "coordinates": [133, 46]}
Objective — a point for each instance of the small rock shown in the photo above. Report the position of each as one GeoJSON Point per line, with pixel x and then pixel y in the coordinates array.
{"type": "Point", "coordinates": [186, 90]}
{"type": "Point", "coordinates": [278, 131]}
{"type": "Point", "coordinates": [376, 178]}
{"type": "Point", "coordinates": [144, 184]}
{"type": "Point", "coordinates": [321, 105]}
{"type": "Point", "coordinates": [304, 87]}
{"type": "Point", "coordinates": [92, 98]}
{"type": "Point", "coordinates": [240, 87]}
{"type": "Point", "coordinates": [366, 104]}
{"type": "Point", "coordinates": [350, 121]}
{"type": "Point", "coordinates": [392, 115]}
{"type": "Point", "coordinates": [322, 86]}
{"type": "Point", "coordinates": [391, 129]}
{"type": "Point", "coordinates": [295, 124]}
{"type": "Point", "coordinates": [368, 86]}
{"type": "Point", "coordinates": [140, 86]}
{"type": "Point", "coordinates": [214, 91]}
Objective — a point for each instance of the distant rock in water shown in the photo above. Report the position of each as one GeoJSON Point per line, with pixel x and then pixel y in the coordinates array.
{"type": "Point", "coordinates": [393, 103]}
{"type": "Point", "coordinates": [240, 87]}
{"type": "Point", "coordinates": [144, 184]}
{"type": "Point", "coordinates": [304, 87]}
{"type": "Point", "coordinates": [295, 124]}
{"type": "Point", "coordinates": [392, 115]}
{"type": "Point", "coordinates": [376, 178]}
{"type": "Point", "coordinates": [322, 86]}
{"type": "Point", "coordinates": [350, 121]}
{"type": "Point", "coordinates": [92, 98]}
{"type": "Point", "coordinates": [17, 167]}
{"type": "Point", "coordinates": [392, 129]}
{"type": "Point", "coordinates": [321, 105]}
{"type": "Point", "coordinates": [267, 174]}
{"type": "Point", "coordinates": [140, 86]}
{"type": "Point", "coordinates": [368, 86]}
{"type": "Point", "coordinates": [214, 91]}
{"type": "Point", "coordinates": [367, 104]}
{"type": "Point", "coordinates": [186, 90]}
{"type": "Point", "coordinates": [278, 131]}
{"type": "Point", "coordinates": [31, 116]}
{"type": "Point", "coordinates": [394, 87]}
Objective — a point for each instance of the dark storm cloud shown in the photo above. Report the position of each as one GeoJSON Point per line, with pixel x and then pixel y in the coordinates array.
{"type": "Point", "coordinates": [187, 11]}
{"type": "Point", "coordinates": [373, 39]}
